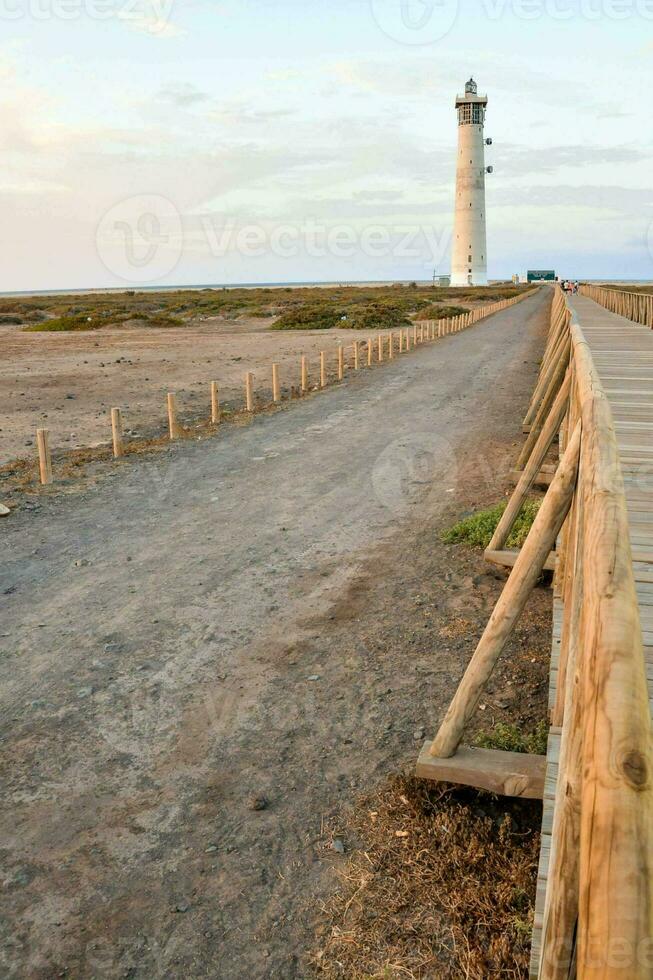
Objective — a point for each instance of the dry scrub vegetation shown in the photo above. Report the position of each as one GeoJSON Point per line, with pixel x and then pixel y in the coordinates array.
{"type": "Point", "coordinates": [440, 885]}
{"type": "Point", "coordinates": [312, 308]}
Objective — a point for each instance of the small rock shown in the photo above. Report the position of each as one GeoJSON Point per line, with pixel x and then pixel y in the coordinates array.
{"type": "Point", "coordinates": [4, 510]}
{"type": "Point", "coordinates": [313, 677]}
{"type": "Point", "coordinates": [80, 562]}
{"type": "Point", "coordinates": [418, 734]}
{"type": "Point", "coordinates": [211, 849]}
{"type": "Point", "coordinates": [338, 845]}
{"type": "Point", "coordinates": [257, 802]}
{"type": "Point", "coordinates": [181, 908]}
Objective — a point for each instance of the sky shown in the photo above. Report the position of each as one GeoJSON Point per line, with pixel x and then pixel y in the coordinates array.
{"type": "Point", "coordinates": [162, 142]}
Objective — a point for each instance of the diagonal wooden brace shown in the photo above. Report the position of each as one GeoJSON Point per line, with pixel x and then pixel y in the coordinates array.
{"type": "Point", "coordinates": [527, 570]}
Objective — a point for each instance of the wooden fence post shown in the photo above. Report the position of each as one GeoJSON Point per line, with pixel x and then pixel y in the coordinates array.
{"type": "Point", "coordinates": [380, 346]}
{"type": "Point", "coordinates": [391, 344]}
{"type": "Point", "coordinates": [116, 433]}
{"type": "Point", "coordinates": [249, 391]}
{"type": "Point", "coordinates": [545, 405]}
{"type": "Point", "coordinates": [323, 377]}
{"type": "Point", "coordinates": [174, 429]}
{"type": "Point", "coordinates": [276, 387]}
{"type": "Point", "coordinates": [304, 374]}
{"type": "Point", "coordinates": [341, 363]}
{"type": "Point", "coordinates": [45, 459]}
{"type": "Point", "coordinates": [369, 352]}
{"type": "Point", "coordinates": [356, 364]}
{"type": "Point", "coordinates": [215, 403]}
{"type": "Point", "coordinates": [532, 468]}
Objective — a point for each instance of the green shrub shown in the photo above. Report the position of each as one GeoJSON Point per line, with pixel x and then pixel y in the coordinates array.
{"type": "Point", "coordinates": [433, 312]}
{"type": "Point", "coordinates": [152, 320]}
{"type": "Point", "coordinates": [478, 528]}
{"type": "Point", "coordinates": [77, 322]}
{"type": "Point", "coordinates": [509, 738]}
{"type": "Point", "coordinates": [376, 316]}
{"type": "Point", "coordinates": [307, 317]}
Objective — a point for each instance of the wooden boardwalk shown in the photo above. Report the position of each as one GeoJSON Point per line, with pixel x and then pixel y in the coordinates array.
{"type": "Point", "coordinates": [623, 355]}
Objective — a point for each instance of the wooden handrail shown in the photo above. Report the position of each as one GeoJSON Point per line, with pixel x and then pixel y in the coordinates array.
{"type": "Point", "coordinates": [598, 908]}
{"type": "Point", "coordinates": [624, 302]}
{"type": "Point", "coordinates": [615, 910]}
{"type": "Point", "coordinates": [600, 884]}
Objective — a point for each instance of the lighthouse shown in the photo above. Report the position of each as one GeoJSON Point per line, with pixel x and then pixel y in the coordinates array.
{"type": "Point", "coordinates": [469, 247]}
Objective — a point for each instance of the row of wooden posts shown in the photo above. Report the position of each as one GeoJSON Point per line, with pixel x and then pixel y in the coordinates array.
{"type": "Point", "coordinates": [633, 306]}
{"type": "Point", "coordinates": [383, 347]}
{"type": "Point", "coordinates": [596, 917]}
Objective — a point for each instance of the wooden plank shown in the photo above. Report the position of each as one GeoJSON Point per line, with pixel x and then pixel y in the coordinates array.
{"type": "Point", "coordinates": [543, 478]}
{"type": "Point", "coordinates": [507, 558]}
{"type": "Point", "coordinates": [505, 773]}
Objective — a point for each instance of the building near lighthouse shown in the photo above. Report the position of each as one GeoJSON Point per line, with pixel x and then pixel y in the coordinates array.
{"type": "Point", "coordinates": [469, 246]}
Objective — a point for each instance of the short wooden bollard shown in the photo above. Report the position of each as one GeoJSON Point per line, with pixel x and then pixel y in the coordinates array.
{"type": "Point", "coordinates": [215, 403]}
{"type": "Point", "coordinates": [45, 460]}
{"type": "Point", "coordinates": [276, 387]}
{"type": "Point", "coordinates": [380, 343]}
{"type": "Point", "coordinates": [391, 344]}
{"type": "Point", "coordinates": [341, 363]}
{"type": "Point", "coordinates": [401, 341]}
{"type": "Point", "coordinates": [249, 391]}
{"type": "Point", "coordinates": [421, 333]}
{"type": "Point", "coordinates": [356, 355]}
{"type": "Point", "coordinates": [415, 335]}
{"type": "Point", "coordinates": [369, 352]}
{"type": "Point", "coordinates": [174, 430]}
{"type": "Point", "coordinates": [407, 340]}
{"type": "Point", "coordinates": [304, 373]}
{"type": "Point", "coordinates": [116, 433]}
{"type": "Point", "coordinates": [322, 369]}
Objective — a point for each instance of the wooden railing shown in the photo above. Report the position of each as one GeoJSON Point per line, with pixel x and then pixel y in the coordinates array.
{"type": "Point", "coordinates": [598, 910]}
{"type": "Point", "coordinates": [634, 306]}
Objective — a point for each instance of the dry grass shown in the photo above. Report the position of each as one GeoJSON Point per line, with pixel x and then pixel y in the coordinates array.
{"type": "Point", "coordinates": [442, 886]}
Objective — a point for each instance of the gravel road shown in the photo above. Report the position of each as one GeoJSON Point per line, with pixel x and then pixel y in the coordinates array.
{"type": "Point", "coordinates": [186, 685]}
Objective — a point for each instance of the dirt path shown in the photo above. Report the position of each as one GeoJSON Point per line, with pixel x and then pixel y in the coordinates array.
{"type": "Point", "coordinates": [260, 616]}
{"type": "Point", "coordinates": [68, 382]}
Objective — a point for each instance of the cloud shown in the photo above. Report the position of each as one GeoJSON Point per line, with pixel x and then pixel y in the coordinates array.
{"type": "Point", "coordinates": [182, 94]}
{"type": "Point", "coordinates": [605, 199]}
{"type": "Point", "coordinates": [377, 195]}
{"type": "Point", "coordinates": [242, 114]}
{"type": "Point", "coordinates": [519, 161]}
{"type": "Point", "coordinates": [150, 17]}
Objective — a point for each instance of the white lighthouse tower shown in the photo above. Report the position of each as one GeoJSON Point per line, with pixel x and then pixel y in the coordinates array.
{"type": "Point", "coordinates": [469, 247]}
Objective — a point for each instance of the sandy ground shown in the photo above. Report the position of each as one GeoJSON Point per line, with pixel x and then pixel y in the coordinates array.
{"type": "Point", "coordinates": [211, 651]}
{"type": "Point", "coordinates": [68, 382]}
